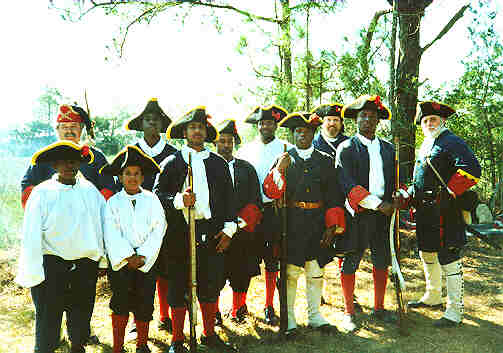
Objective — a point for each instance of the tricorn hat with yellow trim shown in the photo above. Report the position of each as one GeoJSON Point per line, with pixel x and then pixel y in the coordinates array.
{"type": "Point", "coordinates": [198, 114]}
{"type": "Point", "coordinates": [229, 127]}
{"type": "Point", "coordinates": [366, 102]}
{"type": "Point", "coordinates": [131, 156]}
{"type": "Point", "coordinates": [432, 108]}
{"type": "Point", "coordinates": [152, 107]}
{"type": "Point", "coordinates": [329, 109]}
{"type": "Point", "coordinates": [62, 151]}
{"type": "Point", "coordinates": [272, 112]}
{"type": "Point", "coordinates": [301, 119]}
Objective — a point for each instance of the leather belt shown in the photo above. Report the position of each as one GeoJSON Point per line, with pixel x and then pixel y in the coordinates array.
{"type": "Point", "coordinates": [305, 205]}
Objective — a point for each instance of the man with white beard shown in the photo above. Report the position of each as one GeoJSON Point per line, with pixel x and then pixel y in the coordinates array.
{"type": "Point", "coordinates": [445, 169]}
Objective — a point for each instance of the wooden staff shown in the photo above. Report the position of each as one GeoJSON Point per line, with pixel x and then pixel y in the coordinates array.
{"type": "Point", "coordinates": [283, 307]}
{"type": "Point", "coordinates": [394, 239]}
{"type": "Point", "coordinates": [193, 268]}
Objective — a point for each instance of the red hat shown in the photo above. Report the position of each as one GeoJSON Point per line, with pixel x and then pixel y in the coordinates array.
{"type": "Point", "coordinates": [68, 115]}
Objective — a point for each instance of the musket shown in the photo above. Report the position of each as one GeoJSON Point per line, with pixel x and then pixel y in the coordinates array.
{"type": "Point", "coordinates": [283, 305]}
{"type": "Point", "coordinates": [193, 269]}
{"type": "Point", "coordinates": [394, 242]}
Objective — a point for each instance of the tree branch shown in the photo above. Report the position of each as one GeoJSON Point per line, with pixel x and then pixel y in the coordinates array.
{"type": "Point", "coordinates": [368, 39]}
{"type": "Point", "coordinates": [232, 8]}
{"type": "Point", "coordinates": [447, 27]}
{"type": "Point", "coordinates": [136, 20]}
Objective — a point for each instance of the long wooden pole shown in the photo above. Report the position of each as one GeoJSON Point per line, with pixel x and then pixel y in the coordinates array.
{"type": "Point", "coordinates": [283, 308]}
{"type": "Point", "coordinates": [193, 267]}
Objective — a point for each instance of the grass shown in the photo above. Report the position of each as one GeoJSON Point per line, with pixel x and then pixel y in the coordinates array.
{"type": "Point", "coordinates": [480, 332]}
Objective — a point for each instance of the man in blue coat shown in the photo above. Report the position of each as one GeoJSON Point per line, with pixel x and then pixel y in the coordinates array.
{"type": "Point", "coordinates": [332, 128]}
{"type": "Point", "coordinates": [439, 200]}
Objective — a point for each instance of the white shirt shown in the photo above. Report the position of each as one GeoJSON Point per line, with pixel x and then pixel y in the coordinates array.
{"type": "Point", "coordinates": [376, 173]}
{"type": "Point", "coordinates": [134, 230]}
{"type": "Point", "coordinates": [200, 183]}
{"type": "Point", "coordinates": [231, 169]}
{"type": "Point", "coordinates": [262, 157]}
{"type": "Point", "coordinates": [61, 220]}
{"type": "Point", "coordinates": [154, 150]}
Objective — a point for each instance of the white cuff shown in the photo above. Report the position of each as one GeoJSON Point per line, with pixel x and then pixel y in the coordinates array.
{"type": "Point", "coordinates": [241, 223]}
{"type": "Point", "coordinates": [277, 178]}
{"type": "Point", "coordinates": [230, 228]}
{"type": "Point", "coordinates": [178, 201]}
{"type": "Point", "coordinates": [371, 202]}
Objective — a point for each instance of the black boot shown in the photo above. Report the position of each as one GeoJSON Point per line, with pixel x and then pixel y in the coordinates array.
{"type": "Point", "coordinates": [270, 316]}
{"type": "Point", "coordinates": [216, 343]}
{"type": "Point", "coordinates": [218, 319]}
{"type": "Point", "coordinates": [166, 325]}
{"type": "Point", "coordinates": [445, 323]}
{"type": "Point", "coordinates": [177, 347]}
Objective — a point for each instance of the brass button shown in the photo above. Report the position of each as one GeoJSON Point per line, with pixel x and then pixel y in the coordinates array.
{"type": "Point", "coordinates": [307, 190]}
{"type": "Point", "coordinates": [305, 170]}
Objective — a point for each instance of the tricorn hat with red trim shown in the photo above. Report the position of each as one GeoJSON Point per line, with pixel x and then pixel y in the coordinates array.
{"type": "Point", "coordinates": [152, 107]}
{"type": "Point", "coordinates": [330, 109]}
{"type": "Point", "coordinates": [229, 127]}
{"type": "Point", "coordinates": [131, 156]}
{"type": "Point", "coordinates": [198, 114]}
{"type": "Point", "coordinates": [62, 151]}
{"type": "Point", "coordinates": [366, 102]}
{"type": "Point", "coordinates": [272, 112]}
{"type": "Point", "coordinates": [301, 119]}
{"type": "Point", "coordinates": [432, 108]}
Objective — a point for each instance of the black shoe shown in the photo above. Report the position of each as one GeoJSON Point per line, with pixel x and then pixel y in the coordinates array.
{"type": "Point", "coordinates": [143, 349]}
{"type": "Point", "coordinates": [216, 342]}
{"type": "Point", "coordinates": [166, 325]}
{"type": "Point", "coordinates": [291, 334]}
{"type": "Point", "coordinates": [77, 349]}
{"type": "Point", "coordinates": [177, 347]}
{"type": "Point", "coordinates": [270, 316]}
{"type": "Point", "coordinates": [218, 319]}
{"type": "Point", "coordinates": [445, 323]}
{"type": "Point", "coordinates": [328, 329]}
{"type": "Point", "coordinates": [92, 341]}
{"type": "Point", "coordinates": [420, 304]}
{"type": "Point", "coordinates": [241, 314]}
{"type": "Point", "coordinates": [384, 316]}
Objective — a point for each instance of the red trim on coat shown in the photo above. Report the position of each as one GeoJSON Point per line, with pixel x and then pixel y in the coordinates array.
{"type": "Point", "coordinates": [335, 217]}
{"type": "Point", "coordinates": [106, 193]}
{"type": "Point", "coordinates": [271, 190]}
{"type": "Point", "coordinates": [460, 183]}
{"type": "Point", "coordinates": [251, 215]}
{"type": "Point", "coordinates": [25, 195]}
{"type": "Point", "coordinates": [357, 194]}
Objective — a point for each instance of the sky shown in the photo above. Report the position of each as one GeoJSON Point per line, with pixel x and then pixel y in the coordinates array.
{"type": "Point", "coordinates": [183, 65]}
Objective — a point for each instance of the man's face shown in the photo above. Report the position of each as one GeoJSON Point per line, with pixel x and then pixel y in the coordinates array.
{"type": "Point", "coordinates": [70, 131]}
{"type": "Point", "coordinates": [303, 137]}
{"type": "Point", "coordinates": [131, 178]}
{"type": "Point", "coordinates": [67, 169]}
{"type": "Point", "coordinates": [332, 125]}
{"type": "Point", "coordinates": [152, 124]}
{"type": "Point", "coordinates": [195, 133]}
{"type": "Point", "coordinates": [225, 145]}
{"type": "Point", "coordinates": [430, 123]}
{"type": "Point", "coordinates": [267, 129]}
{"type": "Point", "coordinates": [367, 122]}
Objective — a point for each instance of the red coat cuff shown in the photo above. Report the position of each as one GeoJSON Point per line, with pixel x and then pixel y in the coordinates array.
{"type": "Point", "coordinates": [357, 194]}
{"type": "Point", "coordinates": [251, 215]}
{"type": "Point", "coordinates": [461, 181]}
{"type": "Point", "coordinates": [271, 190]}
{"type": "Point", "coordinates": [25, 195]}
{"type": "Point", "coordinates": [335, 217]}
{"type": "Point", "coordinates": [106, 193]}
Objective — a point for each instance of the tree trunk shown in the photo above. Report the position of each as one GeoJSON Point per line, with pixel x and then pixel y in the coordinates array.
{"type": "Point", "coordinates": [286, 41]}
{"type": "Point", "coordinates": [407, 83]}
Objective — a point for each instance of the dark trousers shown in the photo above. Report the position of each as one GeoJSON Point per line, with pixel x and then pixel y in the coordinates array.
{"type": "Point", "coordinates": [70, 286]}
{"type": "Point", "coordinates": [210, 269]}
{"type": "Point", "coordinates": [132, 291]}
{"type": "Point", "coordinates": [267, 236]}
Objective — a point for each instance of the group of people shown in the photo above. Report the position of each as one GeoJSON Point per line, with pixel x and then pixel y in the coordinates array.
{"type": "Point", "coordinates": [85, 217]}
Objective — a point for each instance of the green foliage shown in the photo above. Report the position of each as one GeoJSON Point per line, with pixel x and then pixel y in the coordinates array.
{"type": "Point", "coordinates": [110, 136]}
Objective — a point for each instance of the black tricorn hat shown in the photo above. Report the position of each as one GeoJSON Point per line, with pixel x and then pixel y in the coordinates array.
{"type": "Point", "coordinates": [432, 108]}
{"type": "Point", "coordinates": [152, 107]}
{"type": "Point", "coordinates": [272, 112]}
{"type": "Point", "coordinates": [301, 119]}
{"type": "Point", "coordinates": [330, 109]}
{"type": "Point", "coordinates": [131, 156]}
{"type": "Point", "coordinates": [229, 127]}
{"type": "Point", "coordinates": [198, 114]}
{"type": "Point", "coordinates": [63, 150]}
{"type": "Point", "coordinates": [366, 101]}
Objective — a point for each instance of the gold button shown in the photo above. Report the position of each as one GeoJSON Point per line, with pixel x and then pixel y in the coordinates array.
{"type": "Point", "coordinates": [305, 170]}
{"type": "Point", "coordinates": [307, 190]}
